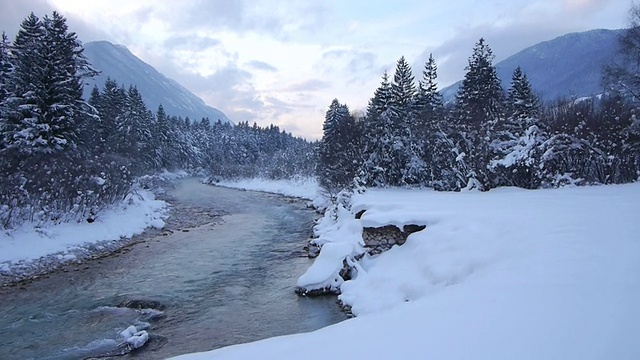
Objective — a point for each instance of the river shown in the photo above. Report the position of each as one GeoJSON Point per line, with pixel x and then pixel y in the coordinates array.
{"type": "Point", "coordinates": [224, 282]}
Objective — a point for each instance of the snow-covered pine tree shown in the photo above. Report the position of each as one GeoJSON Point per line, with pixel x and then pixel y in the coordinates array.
{"type": "Point", "coordinates": [5, 72]}
{"type": "Point", "coordinates": [20, 130]}
{"type": "Point", "coordinates": [377, 137]}
{"type": "Point", "coordinates": [479, 105]}
{"type": "Point", "coordinates": [43, 112]}
{"type": "Point", "coordinates": [111, 106]}
{"type": "Point", "coordinates": [164, 153]}
{"type": "Point", "coordinates": [431, 128]}
{"type": "Point", "coordinates": [522, 104]}
{"type": "Point", "coordinates": [408, 167]}
{"type": "Point", "coordinates": [518, 143]}
{"type": "Point", "coordinates": [381, 99]}
{"type": "Point", "coordinates": [46, 87]}
{"type": "Point", "coordinates": [135, 131]}
{"type": "Point", "coordinates": [65, 71]}
{"type": "Point", "coordinates": [403, 89]}
{"type": "Point", "coordinates": [337, 151]}
{"type": "Point", "coordinates": [5, 69]}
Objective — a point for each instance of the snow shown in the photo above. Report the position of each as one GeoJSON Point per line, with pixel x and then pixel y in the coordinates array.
{"type": "Point", "coordinates": [28, 243]}
{"type": "Point", "coordinates": [505, 274]}
{"type": "Point", "coordinates": [133, 337]}
{"type": "Point", "coordinates": [324, 273]}
{"type": "Point", "coordinates": [306, 188]}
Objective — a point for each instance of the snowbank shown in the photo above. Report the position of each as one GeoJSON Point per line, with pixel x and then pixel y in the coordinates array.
{"type": "Point", "coordinates": [507, 274]}
{"type": "Point", "coordinates": [18, 248]}
{"type": "Point", "coordinates": [306, 188]}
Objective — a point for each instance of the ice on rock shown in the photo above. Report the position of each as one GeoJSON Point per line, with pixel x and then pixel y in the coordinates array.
{"type": "Point", "coordinates": [138, 339]}
{"type": "Point", "coordinates": [135, 338]}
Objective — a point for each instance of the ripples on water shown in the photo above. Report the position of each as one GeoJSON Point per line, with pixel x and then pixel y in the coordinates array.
{"type": "Point", "coordinates": [219, 285]}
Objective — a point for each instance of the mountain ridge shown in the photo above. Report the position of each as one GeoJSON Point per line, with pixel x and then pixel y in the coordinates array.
{"type": "Point", "coordinates": [117, 62]}
{"type": "Point", "coordinates": [568, 66]}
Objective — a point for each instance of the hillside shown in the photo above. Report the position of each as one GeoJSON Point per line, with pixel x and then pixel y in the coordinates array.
{"type": "Point", "coordinates": [117, 62]}
{"type": "Point", "coordinates": [568, 66]}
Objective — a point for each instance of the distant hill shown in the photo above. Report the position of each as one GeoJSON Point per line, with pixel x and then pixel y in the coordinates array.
{"type": "Point", "coordinates": [568, 66]}
{"type": "Point", "coordinates": [118, 63]}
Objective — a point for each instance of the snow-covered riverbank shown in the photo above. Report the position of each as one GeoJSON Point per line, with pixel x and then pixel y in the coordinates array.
{"type": "Point", "coordinates": [30, 250]}
{"type": "Point", "coordinates": [506, 274]}
{"type": "Point", "coordinates": [305, 188]}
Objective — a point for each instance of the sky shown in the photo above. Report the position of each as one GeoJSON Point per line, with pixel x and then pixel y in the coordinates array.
{"type": "Point", "coordinates": [282, 62]}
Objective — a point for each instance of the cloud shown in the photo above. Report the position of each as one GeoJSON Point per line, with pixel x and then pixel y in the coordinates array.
{"type": "Point", "coordinates": [452, 55]}
{"type": "Point", "coordinates": [286, 20]}
{"type": "Point", "coordinates": [13, 12]}
{"type": "Point", "coordinates": [353, 64]}
{"type": "Point", "coordinates": [309, 85]}
{"type": "Point", "coordinates": [584, 5]}
{"type": "Point", "coordinates": [260, 65]}
{"type": "Point", "coordinates": [191, 42]}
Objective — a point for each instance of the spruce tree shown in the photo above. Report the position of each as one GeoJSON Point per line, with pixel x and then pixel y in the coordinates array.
{"type": "Point", "coordinates": [519, 138]}
{"type": "Point", "coordinates": [46, 87]}
{"type": "Point", "coordinates": [408, 167]}
{"type": "Point", "coordinates": [431, 129]}
{"type": "Point", "coordinates": [402, 89]}
{"type": "Point", "coordinates": [135, 131]}
{"type": "Point", "coordinates": [337, 151]}
{"type": "Point", "coordinates": [479, 105]}
{"type": "Point", "coordinates": [21, 131]}
{"type": "Point", "coordinates": [5, 69]}
{"type": "Point", "coordinates": [377, 136]}
{"type": "Point", "coordinates": [480, 98]}
{"type": "Point", "coordinates": [5, 72]}
{"type": "Point", "coordinates": [111, 106]}
{"type": "Point", "coordinates": [381, 98]}
{"type": "Point", "coordinates": [521, 101]}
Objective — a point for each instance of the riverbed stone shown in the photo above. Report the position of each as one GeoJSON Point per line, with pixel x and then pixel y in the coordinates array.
{"type": "Point", "coordinates": [139, 304]}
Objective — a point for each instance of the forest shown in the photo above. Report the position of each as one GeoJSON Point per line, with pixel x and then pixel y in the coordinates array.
{"type": "Point", "coordinates": [486, 137]}
{"type": "Point", "coordinates": [65, 158]}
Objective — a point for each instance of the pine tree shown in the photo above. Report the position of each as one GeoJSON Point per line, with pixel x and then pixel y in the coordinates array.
{"type": "Point", "coordinates": [377, 135]}
{"type": "Point", "coordinates": [382, 98]}
{"type": "Point", "coordinates": [5, 72]}
{"type": "Point", "coordinates": [5, 69]}
{"type": "Point", "coordinates": [135, 130]}
{"type": "Point", "coordinates": [337, 151]}
{"type": "Point", "coordinates": [480, 98]}
{"type": "Point", "coordinates": [46, 87]}
{"type": "Point", "coordinates": [431, 129]}
{"type": "Point", "coordinates": [21, 131]}
{"type": "Point", "coordinates": [521, 102]}
{"type": "Point", "coordinates": [479, 105]}
{"type": "Point", "coordinates": [519, 138]}
{"type": "Point", "coordinates": [166, 153]}
{"type": "Point", "coordinates": [111, 106]}
{"type": "Point", "coordinates": [402, 89]}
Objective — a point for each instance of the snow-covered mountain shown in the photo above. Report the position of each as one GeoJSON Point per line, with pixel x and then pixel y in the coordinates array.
{"type": "Point", "coordinates": [118, 63]}
{"type": "Point", "coordinates": [568, 66]}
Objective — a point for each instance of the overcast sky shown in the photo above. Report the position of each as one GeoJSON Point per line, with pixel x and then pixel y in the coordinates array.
{"type": "Point", "coordinates": [283, 61]}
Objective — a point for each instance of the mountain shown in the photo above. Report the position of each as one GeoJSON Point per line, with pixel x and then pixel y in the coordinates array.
{"type": "Point", "coordinates": [118, 63]}
{"type": "Point", "coordinates": [569, 66]}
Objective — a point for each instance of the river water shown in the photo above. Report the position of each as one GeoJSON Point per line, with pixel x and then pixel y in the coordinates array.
{"type": "Point", "coordinates": [220, 283]}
